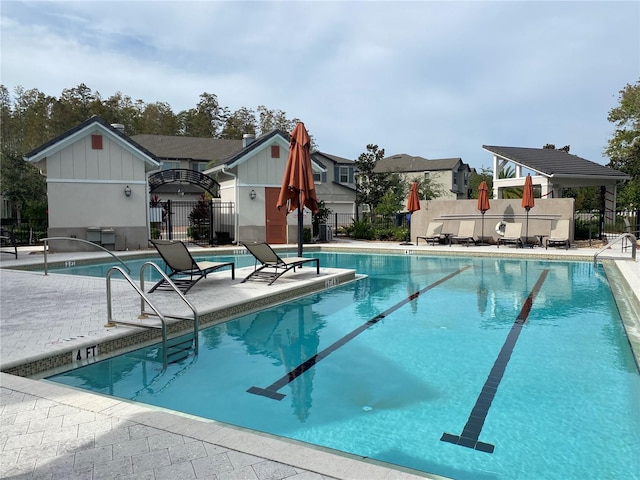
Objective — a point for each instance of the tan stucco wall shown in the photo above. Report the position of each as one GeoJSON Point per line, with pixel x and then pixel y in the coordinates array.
{"type": "Point", "coordinates": [450, 212]}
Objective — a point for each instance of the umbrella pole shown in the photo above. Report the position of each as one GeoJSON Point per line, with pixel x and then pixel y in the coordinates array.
{"type": "Point", "coordinates": [526, 238]}
{"type": "Point", "coordinates": [482, 230]}
{"type": "Point", "coordinates": [407, 240]}
{"type": "Point", "coordinates": [300, 207]}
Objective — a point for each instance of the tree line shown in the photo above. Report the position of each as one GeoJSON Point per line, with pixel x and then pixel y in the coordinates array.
{"type": "Point", "coordinates": [30, 118]}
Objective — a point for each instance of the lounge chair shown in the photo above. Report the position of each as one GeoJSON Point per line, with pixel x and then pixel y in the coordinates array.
{"type": "Point", "coordinates": [8, 241]}
{"type": "Point", "coordinates": [559, 234]}
{"type": "Point", "coordinates": [512, 234]}
{"type": "Point", "coordinates": [185, 271]}
{"type": "Point", "coordinates": [466, 233]}
{"type": "Point", "coordinates": [273, 266]}
{"type": "Point", "coordinates": [434, 232]}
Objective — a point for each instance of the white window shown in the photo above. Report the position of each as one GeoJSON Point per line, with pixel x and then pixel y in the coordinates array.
{"type": "Point", "coordinates": [167, 165]}
{"type": "Point", "coordinates": [344, 175]}
{"type": "Point", "coordinates": [199, 166]}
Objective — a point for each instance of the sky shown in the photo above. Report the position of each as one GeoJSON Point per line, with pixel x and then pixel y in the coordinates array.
{"type": "Point", "coordinates": [435, 79]}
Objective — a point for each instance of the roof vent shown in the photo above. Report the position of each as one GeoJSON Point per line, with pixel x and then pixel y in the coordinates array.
{"type": "Point", "coordinates": [118, 126]}
{"type": "Point", "coordinates": [248, 139]}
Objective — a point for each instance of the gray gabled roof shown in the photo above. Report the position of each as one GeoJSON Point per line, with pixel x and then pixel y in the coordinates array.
{"type": "Point", "coordinates": [403, 163]}
{"type": "Point", "coordinates": [189, 148]}
{"type": "Point", "coordinates": [551, 162]}
{"type": "Point", "coordinates": [54, 143]}
{"type": "Point", "coordinates": [333, 158]}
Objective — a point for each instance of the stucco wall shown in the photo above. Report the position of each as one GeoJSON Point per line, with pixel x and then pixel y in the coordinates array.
{"type": "Point", "coordinates": [450, 212]}
{"type": "Point", "coordinates": [86, 188]}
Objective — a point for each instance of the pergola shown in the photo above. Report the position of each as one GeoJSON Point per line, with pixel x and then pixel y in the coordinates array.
{"type": "Point", "coordinates": [554, 170]}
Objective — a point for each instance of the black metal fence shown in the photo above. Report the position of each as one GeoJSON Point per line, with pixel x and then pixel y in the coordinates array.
{"type": "Point", "coordinates": [25, 232]}
{"type": "Point", "coordinates": [345, 221]}
{"type": "Point", "coordinates": [597, 224]}
{"type": "Point", "coordinates": [205, 222]}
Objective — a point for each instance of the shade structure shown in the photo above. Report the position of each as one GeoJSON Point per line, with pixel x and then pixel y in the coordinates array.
{"type": "Point", "coordinates": [483, 203]}
{"type": "Point", "coordinates": [298, 189]}
{"type": "Point", "coordinates": [528, 202]}
{"type": "Point", "coordinates": [413, 205]}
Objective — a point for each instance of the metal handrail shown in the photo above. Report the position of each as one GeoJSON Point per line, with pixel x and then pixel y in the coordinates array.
{"type": "Point", "coordinates": [144, 300]}
{"type": "Point", "coordinates": [166, 278]}
{"type": "Point", "coordinates": [623, 236]}
{"type": "Point", "coordinates": [111, 322]}
{"type": "Point", "coordinates": [46, 244]}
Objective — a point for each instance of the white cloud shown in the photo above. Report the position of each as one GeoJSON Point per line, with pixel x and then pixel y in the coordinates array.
{"type": "Point", "coordinates": [435, 79]}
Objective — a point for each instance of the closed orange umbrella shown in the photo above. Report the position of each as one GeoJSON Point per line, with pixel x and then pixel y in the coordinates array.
{"type": "Point", "coordinates": [483, 203]}
{"type": "Point", "coordinates": [413, 204]}
{"type": "Point", "coordinates": [528, 202]}
{"type": "Point", "coordinates": [298, 189]}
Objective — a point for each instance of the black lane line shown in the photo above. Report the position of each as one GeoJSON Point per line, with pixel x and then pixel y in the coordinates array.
{"type": "Point", "coordinates": [272, 390]}
{"type": "Point", "coordinates": [471, 432]}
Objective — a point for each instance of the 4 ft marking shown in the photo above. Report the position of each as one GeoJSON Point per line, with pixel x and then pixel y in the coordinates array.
{"type": "Point", "coordinates": [86, 353]}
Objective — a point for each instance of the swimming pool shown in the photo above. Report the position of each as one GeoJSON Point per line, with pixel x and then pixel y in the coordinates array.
{"type": "Point", "coordinates": [470, 368]}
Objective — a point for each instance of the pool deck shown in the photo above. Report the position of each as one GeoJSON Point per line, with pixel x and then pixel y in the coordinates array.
{"type": "Point", "coordinates": [50, 431]}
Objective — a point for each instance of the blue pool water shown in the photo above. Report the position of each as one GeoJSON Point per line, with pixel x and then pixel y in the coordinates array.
{"type": "Point", "coordinates": [528, 359]}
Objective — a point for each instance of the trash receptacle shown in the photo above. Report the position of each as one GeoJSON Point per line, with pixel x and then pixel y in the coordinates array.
{"type": "Point", "coordinates": [325, 233]}
{"type": "Point", "coordinates": [93, 235]}
{"type": "Point", "coordinates": [108, 238]}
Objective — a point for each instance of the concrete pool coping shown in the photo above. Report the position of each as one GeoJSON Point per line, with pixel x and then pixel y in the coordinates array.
{"type": "Point", "coordinates": [68, 323]}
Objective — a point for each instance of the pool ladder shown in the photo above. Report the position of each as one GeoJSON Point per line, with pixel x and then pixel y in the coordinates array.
{"type": "Point", "coordinates": [624, 238]}
{"type": "Point", "coordinates": [173, 349]}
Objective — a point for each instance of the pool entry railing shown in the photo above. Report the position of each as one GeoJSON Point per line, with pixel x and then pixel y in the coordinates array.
{"type": "Point", "coordinates": [46, 248]}
{"type": "Point", "coordinates": [174, 349]}
{"type": "Point", "coordinates": [624, 238]}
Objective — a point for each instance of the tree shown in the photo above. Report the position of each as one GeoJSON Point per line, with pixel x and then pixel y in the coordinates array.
{"type": "Point", "coordinates": [623, 148]}
{"type": "Point", "coordinates": [206, 120]}
{"type": "Point", "coordinates": [158, 119]}
{"type": "Point", "coordinates": [510, 192]}
{"type": "Point", "coordinates": [475, 179]}
{"type": "Point", "coordinates": [551, 146]}
{"type": "Point", "coordinates": [370, 185]}
{"type": "Point", "coordinates": [239, 122]}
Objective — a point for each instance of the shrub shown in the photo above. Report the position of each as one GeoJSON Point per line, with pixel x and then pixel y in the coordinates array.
{"type": "Point", "coordinates": [362, 230]}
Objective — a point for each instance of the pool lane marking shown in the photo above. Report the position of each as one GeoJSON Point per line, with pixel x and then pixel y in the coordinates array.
{"type": "Point", "coordinates": [272, 390]}
{"type": "Point", "coordinates": [471, 432]}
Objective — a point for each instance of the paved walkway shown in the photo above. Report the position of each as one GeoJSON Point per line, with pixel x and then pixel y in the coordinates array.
{"type": "Point", "coordinates": [54, 432]}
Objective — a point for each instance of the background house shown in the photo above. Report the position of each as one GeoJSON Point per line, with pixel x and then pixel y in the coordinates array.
{"type": "Point", "coordinates": [336, 185]}
{"type": "Point", "coordinates": [97, 186]}
{"type": "Point", "coordinates": [449, 176]}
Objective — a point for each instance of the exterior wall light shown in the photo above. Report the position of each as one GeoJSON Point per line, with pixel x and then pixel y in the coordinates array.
{"type": "Point", "coordinates": [127, 191]}
{"type": "Point", "coordinates": [253, 195]}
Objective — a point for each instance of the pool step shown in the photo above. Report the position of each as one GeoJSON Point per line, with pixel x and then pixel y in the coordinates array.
{"type": "Point", "coordinates": [179, 348]}
{"type": "Point", "coordinates": [174, 349]}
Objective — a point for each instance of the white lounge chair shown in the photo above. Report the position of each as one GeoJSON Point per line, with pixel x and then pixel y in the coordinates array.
{"type": "Point", "coordinates": [559, 234]}
{"type": "Point", "coordinates": [466, 233]}
{"type": "Point", "coordinates": [512, 234]}
{"type": "Point", "coordinates": [434, 232]}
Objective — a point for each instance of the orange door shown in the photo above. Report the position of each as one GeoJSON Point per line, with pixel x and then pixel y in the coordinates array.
{"type": "Point", "coordinates": [276, 228]}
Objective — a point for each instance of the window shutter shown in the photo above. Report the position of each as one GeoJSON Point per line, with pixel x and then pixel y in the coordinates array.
{"type": "Point", "coordinates": [96, 142]}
